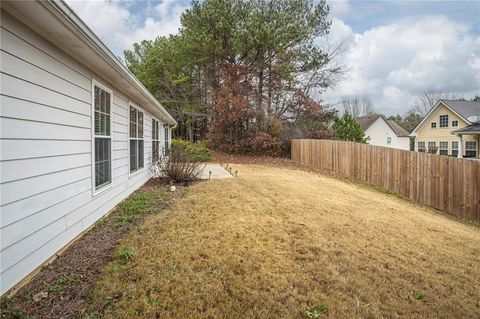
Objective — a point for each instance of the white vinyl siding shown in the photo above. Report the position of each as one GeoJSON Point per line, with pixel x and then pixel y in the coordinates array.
{"type": "Point", "coordinates": [167, 137]}
{"type": "Point", "coordinates": [46, 160]}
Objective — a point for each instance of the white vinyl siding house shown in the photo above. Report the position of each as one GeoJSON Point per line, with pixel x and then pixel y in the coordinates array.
{"type": "Point", "coordinates": [383, 132]}
{"type": "Point", "coordinates": [64, 135]}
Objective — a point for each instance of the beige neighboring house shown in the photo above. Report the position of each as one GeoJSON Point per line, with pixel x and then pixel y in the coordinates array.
{"type": "Point", "coordinates": [383, 132]}
{"type": "Point", "coordinates": [451, 128]}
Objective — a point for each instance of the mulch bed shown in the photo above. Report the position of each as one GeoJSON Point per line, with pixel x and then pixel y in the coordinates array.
{"type": "Point", "coordinates": [63, 288]}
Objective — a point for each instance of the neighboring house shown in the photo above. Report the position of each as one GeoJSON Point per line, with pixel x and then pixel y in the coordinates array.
{"type": "Point", "coordinates": [383, 132]}
{"type": "Point", "coordinates": [451, 128]}
{"type": "Point", "coordinates": [77, 133]}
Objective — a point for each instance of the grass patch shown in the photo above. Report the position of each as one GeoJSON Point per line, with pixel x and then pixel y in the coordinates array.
{"type": "Point", "coordinates": [126, 254]}
{"type": "Point", "coordinates": [62, 283]}
{"type": "Point", "coordinates": [283, 243]}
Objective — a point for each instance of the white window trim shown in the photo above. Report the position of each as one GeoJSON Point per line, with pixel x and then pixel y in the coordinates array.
{"type": "Point", "coordinates": [106, 187]}
{"type": "Point", "coordinates": [137, 171]}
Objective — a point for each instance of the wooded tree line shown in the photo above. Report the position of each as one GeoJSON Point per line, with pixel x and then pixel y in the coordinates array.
{"type": "Point", "coordinates": [244, 74]}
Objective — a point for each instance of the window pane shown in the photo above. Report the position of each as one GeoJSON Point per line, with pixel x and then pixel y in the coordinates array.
{"type": "Point", "coordinates": [140, 124]}
{"type": "Point", "coordinates": [133, 122]}
{"type": "Point", "coordinates": [102, 161]}
{"type": "Point", "coordinates": [107, 103]}
{"type": "Point", "coordinates": [133, 155]}
{"type": "Point", "coordinates": [97, 98]}
{"type": "Point", "coordinates": [140, 154]}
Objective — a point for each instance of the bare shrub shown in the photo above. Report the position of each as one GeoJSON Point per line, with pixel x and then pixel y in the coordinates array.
{"type": "Point", "coordinates": [177, 165]}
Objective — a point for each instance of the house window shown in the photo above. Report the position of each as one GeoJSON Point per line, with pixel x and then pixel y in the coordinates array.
{"type": "Point", "coordinates": [454, 123]}
{"type": "Point", "coordinates": [434, 124]}
{"type": "Point", "coordinates": [167, 138]}
{"type": "Point", "coordinates": [389, 140]}
{"type": "Point", "coordinates": [443, 120]}
{"type": "Point", "coordinates": [136, 139]}
{"type": "Point", "coordinates": [432, 147]}
{"type": "Point", "coordinates": [102, 152]}
{"type": "Point", "coordinates": [470, 149]}
{"type": "Point", "coordinates": [155, 141]}
{"type": "Point", "coordinates": [455, 148]}
{"type": "Point", "coordinates": [421, 146]}
{"type": "Point", "coordinates": [443, 148]}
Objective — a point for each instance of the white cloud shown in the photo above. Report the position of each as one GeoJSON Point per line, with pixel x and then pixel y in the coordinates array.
{"type": "Point", "coordinates": [393, 63]}
{"type": "Point", "coordinates": [119, 28]}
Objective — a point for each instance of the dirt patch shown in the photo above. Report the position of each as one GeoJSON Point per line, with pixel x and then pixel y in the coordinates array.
{"type": "Point", "coordinates": [63, 288]}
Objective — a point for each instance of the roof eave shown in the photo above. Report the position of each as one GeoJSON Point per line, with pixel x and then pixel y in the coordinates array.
{"type": "Point", "coordinates": [104, 52]}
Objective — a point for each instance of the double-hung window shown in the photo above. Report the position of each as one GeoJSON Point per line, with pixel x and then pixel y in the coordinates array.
{"type": "Point", "coordinates": [470, 149]}
{"type": "Point", "coordinates": [136, 139]}
{"type": "Point", "coordinates": [455, 148]}
{"type": "Point", "coordinates": [432, 147]}
{"type": "Point", "coordinates": [421, 146]}
{"type": "Point", "coordinates": [443, 121]}
{"type": "Point", "coordinates": [167, 138]}
{"type": "Point", "coordinates": [443, 148]}
{"type": "Point", "coordinates": [155, 141]}
{"type": "Point", "coordinates": [102, 149]}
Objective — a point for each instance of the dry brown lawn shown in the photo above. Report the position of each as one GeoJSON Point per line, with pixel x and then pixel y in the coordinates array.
{"type": "Point", "coordinates": [275, 242]}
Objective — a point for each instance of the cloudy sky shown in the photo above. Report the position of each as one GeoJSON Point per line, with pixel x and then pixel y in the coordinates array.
{"type": "Point", "coordinates": [394, 50]}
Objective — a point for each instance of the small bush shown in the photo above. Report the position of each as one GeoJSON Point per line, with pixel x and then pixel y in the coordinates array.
{"type": "Point", "coordinates": [178, 164]}
{"type": "Point", "coordinates": [197, 151]}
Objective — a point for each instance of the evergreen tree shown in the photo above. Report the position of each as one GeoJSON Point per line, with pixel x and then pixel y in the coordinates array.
{"type": "Point", "coordinates": [348, 129]}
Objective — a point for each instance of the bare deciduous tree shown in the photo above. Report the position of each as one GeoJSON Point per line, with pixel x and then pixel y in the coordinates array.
{"type": "Point", "coordinates": [358, 106]}
{"type": "Point", "coordinates": [429, 98]}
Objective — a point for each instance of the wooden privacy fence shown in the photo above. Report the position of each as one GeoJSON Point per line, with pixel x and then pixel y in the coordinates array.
{"type": "Point", "coordinates": [445, 183]}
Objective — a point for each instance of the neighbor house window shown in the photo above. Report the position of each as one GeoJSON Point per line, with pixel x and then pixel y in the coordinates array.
{"type": "Point", "coordinates": [432, 147]}
{"type": "Point", "coordinates": [102, 152]}
{"type": "Point", "coordinates": [455, 148]}
{"type": "Point", "coordinates": [434, 124]}
{"type": "Point", "coordinates": [443, 147]}
{"type": "Point", "coordinates": [167, 138]}
{"type": "Point", "coordinates": [155, 141]}
{"type": "Point", "coordinates": [470, 149]}
{"type": "Point", "coordinates": [136, 139]}
{"type": "Point", "coordinates": [443, 120]}
{"type": "Point", "coordinates": [389, 140]}
{"type": "Point", "coordinates": [454, 123]}
{"type": "Point", "coordinates": [421, 146]}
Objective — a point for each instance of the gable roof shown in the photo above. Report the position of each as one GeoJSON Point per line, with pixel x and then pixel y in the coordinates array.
{"type": "Point", "coordinates": [464, 109]}
{"type": "Point", "coordinates": [58, 23]}
{"type": "Point", "coordinates": [400, 131]}
{"type": "Point", "coordinates": [367, 121]}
